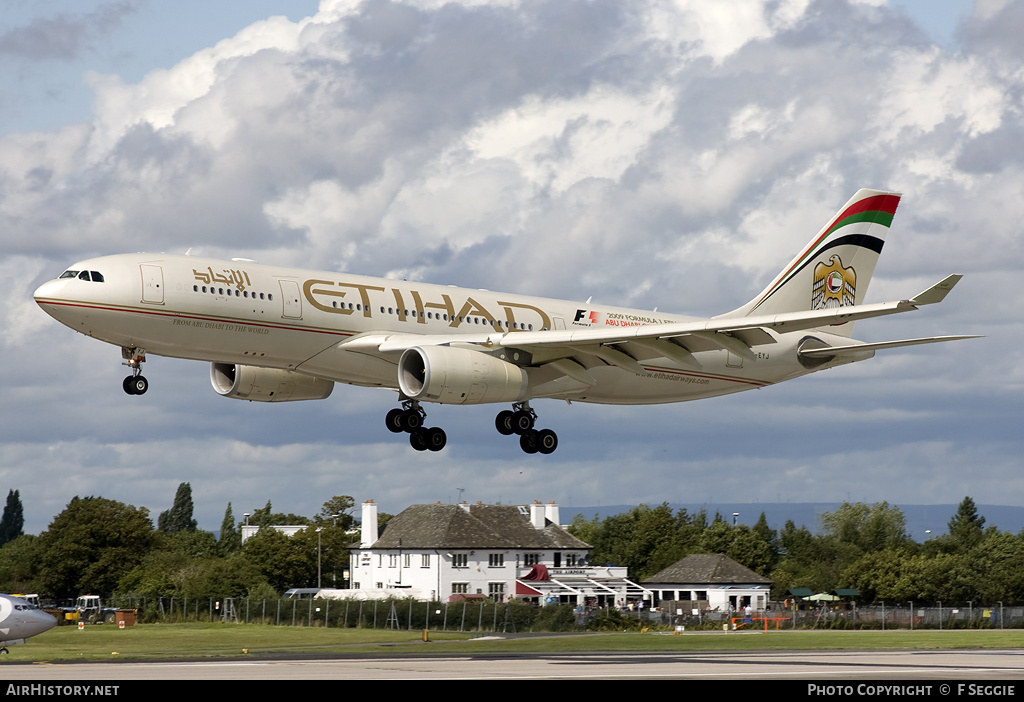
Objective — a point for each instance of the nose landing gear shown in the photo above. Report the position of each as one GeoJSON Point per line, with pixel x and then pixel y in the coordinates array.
{"type": "Point", "coordinates": [136, 383]}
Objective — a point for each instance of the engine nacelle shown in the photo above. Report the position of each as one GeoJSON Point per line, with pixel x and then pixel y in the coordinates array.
{"type": "Point", "coordinates": [266, 384]}
{"type": "Point", "coordinates": [459, 376]}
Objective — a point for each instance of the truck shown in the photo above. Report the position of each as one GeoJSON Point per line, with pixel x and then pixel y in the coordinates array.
{"type": "Point", "coordinates": [90, 609]}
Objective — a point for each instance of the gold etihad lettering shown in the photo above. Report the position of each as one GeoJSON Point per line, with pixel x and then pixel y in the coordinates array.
{"type": "Point", "coordinates": [328, 296]}
{"type": "Point", "coordinates": [238, 278]}
{"type": "Point", "coordinates": [422, 306]}
{"type": "Point", "coordinates": [364, 295]}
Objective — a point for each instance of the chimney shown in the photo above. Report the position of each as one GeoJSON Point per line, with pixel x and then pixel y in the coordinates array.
{"type": "Point", "coordinates": [551, 512]}
{"type": "Point", "coordinates": [369, 525]}
{"type": "Point", "coordinates": [537, 515]}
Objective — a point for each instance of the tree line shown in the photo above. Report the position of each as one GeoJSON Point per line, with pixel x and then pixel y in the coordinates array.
{"type": "Point", "coordinates": [101, 546]}
{"type": "Point", "coordinates": [860, 546]}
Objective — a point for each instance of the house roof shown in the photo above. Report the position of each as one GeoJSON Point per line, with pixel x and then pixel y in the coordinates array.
{"type": "Point", "coordinates": [482, 526]}
{"type": "Point", "coordinates": [710, 569]}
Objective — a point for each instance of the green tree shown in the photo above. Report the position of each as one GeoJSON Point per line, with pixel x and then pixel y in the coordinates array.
{"type": "Point", "coordinates": [868, 527]}
{"type": "Point", "coordinates": [265, 516]}
{"type": "Point", "coordinates": [967, 527]}
{"type": "Point", "coordinates": [284, 562]}
{"type": "Point", "coordinates": [337, 511]}
{"type": "Point", "coordinates": [13, 519]}
{"type": "Point", "coordinates": [90, 545]}
{"type": "Point", "coordinates": [230, 539]}
{"type": "Point", "coordinates": [18, 565]}
{"type": "Point", "coordinates": [179, 516]}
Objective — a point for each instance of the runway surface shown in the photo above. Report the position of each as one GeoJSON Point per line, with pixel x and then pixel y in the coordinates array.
{"type": "Point", "coordinates": [833, 666]}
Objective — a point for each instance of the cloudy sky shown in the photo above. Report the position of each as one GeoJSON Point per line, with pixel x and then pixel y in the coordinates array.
{"type": "Point", "coordinates": [651, 154]}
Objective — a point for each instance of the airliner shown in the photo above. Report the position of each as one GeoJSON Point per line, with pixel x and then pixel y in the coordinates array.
{"type": "Point", "coordinates": [275, 334]}
{"type": "Point", "coordinates": [20, 619]}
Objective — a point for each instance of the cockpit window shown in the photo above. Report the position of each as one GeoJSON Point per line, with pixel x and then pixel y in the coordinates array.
{"type": "Point", "coordinates": [94, 276]}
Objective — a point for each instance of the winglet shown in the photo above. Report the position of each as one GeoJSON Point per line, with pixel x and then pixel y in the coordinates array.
{"type": "Point", "coordinates": [937, 292]}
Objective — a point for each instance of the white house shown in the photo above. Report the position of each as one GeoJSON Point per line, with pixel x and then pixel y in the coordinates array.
{"type": "Point", "coordinates": [709, 581]}
{"type": "Point", "coordinates": [496, 551]}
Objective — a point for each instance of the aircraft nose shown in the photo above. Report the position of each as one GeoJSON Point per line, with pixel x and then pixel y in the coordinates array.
{"type": "Point", "coordinates": [40, 622]}
{"type": "Point", "coordinates": [46, 291]}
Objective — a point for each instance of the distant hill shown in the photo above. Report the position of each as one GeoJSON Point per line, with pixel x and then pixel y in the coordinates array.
{"type": "Point", "coordinates": [920, 518]}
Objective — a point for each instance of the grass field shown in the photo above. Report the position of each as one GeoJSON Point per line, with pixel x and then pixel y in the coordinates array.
{"type": "Point", "coordinates": [170, 641]}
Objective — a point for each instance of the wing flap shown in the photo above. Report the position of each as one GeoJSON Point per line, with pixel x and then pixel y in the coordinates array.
{"type": "Point", "coordinates": [829, 351]}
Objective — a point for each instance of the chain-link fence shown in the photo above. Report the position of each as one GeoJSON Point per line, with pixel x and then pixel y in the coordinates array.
{"type": "Point", "coordinates": [486, 615]}
{"type": "Point", "coordinates": [850, 616]}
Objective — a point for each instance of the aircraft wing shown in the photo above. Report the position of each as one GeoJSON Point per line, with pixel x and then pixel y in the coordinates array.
{"type": "Point", "coordinates": [625, 347]}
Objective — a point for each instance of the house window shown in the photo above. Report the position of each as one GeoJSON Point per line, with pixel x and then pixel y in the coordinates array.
{"type": "Point", "coordinates": [424, 560]}
{"type": "Point", "coordinates": [408, 560]}
{"type": "Point", "coordinates": [570, 559]}
{"type": "Point", "coordinates": [530, 559]}
{"type": "Point", "coordinates": [460, 588]}
{"type": "Point", "coordinates": [496, 591]}
{"type": "Point", "coordinates": [496, 560]}
{"type": "Point", "coordinates": [460, 560]}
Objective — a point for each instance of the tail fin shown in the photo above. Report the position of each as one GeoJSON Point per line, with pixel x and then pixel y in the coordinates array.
{"type": "Point", "coordinates": [834, 269]}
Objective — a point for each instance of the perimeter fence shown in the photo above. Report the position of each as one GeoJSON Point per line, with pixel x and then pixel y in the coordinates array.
{"type": "Point", "coordinates": [485, 615]}
{"type": "Point", "coordinates": [850, 616]}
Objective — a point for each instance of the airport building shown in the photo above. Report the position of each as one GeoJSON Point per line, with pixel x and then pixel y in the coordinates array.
{"type": "Point", "coordinates": [445, 552]}
{"type": "Point", "coordinates": [709, 582]}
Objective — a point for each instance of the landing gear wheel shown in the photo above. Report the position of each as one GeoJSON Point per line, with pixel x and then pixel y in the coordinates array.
{"type": "Point", "coordinates": [547, 441]}
{"type": "Point", "coordinates": [135, 385]}
{"type": "Point", "coordinates": [418, 439]}
{"type": "Point", "coordinates": [394, 421]}
{"type": "Point", "coordinates": [504, 422]}
{"type": "Point", "coordinates": [522, 422]}
{"type": "Point", "coordinates": [436, 438]}
{"type": "Point", "coordinates": [528, 441]}
{"type": "Point", "coordinates": [411, 420]}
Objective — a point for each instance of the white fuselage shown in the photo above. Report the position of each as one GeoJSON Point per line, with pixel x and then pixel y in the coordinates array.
{"type": "Point", "coordinates": [240, 312]}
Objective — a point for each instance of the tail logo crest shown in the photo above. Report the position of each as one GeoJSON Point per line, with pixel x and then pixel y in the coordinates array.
{"type": "Point", "coordinates": [834, 285]}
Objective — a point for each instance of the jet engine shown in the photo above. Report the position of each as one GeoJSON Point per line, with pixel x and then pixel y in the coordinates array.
{"type": "Point", "coordinates": [458, 376]}
{"type": "Point", "coordinates": [266, 384]}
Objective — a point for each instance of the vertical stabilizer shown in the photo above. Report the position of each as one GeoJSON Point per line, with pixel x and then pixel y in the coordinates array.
{"type": "Point", "coordinates": [835, 267]}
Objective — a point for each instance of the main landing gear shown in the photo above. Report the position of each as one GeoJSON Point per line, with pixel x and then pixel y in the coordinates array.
{"type": "Point", "coordinates": [520, 420]}
{"type": "Point", "coordinates": [410, 419]}
{"type": "Point", "coordinates": [136, 383]}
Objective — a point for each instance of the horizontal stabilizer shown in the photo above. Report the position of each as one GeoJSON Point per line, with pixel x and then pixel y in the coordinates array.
{"type": "Point", "coordinates": [829, 351]}
{"type": "Point", "coordinates": [937, 292]}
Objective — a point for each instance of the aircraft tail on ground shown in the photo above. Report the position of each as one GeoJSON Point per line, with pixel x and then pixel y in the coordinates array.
{"type": "Point", "coordinates": [835, 267]}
